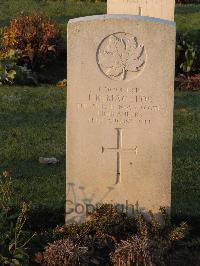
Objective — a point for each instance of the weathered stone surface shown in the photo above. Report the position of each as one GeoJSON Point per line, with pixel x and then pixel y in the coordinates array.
{"type": "Point", "coordinates": [119, 112]}
{"type": "Point", "coordinates": [163, 9]}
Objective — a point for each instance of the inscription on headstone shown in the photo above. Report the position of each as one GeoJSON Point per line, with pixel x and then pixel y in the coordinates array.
{"type": "Point", "coordinates": [119, 112]}
{"type": "Point", "coordinates": [118, 106]}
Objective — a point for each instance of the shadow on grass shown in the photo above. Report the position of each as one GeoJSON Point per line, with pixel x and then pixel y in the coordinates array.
{"type": "Point", "coordinates": [190, 35]}
{"type": "Point", "coordinates": [4, 22]}
{"type": "Point", "coordinates": [41, 218]}
{"type": "Point", "coordinates": [25, 119]}
{"type": "Point", "coordinates": [187, 9]}
{"type": "Point", "coordinates": [187, 149]}
{"type": "Point", "coordinates": [56, 71]}
{"type": "Point", "coordinates": [27, 169]}
{"type": "Point", "coordinates": [187, 100]}
{"type": "Point", "coordinates": [185, 181]}
{"type": "Point", "coordinates": [185, 190]}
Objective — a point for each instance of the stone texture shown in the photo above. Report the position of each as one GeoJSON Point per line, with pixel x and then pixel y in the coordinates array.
{"type": "Point", "coordinates": [163, 9]}
{"type": "Point", "coordinates": [119, 113]}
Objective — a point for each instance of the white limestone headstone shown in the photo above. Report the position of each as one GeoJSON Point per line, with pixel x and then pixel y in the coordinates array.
{"type": "Point", "coordinates": [119, 113]}
{"type": "Point", "coordinates": [163, 9]}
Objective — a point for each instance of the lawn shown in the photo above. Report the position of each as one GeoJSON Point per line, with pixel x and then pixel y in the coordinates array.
{"type": "Point", "coordinates": [62, 11]}
{"type": "Point", "coordinates": [32, 124]}
{"type": "Point", "coordinates": [186, 161]}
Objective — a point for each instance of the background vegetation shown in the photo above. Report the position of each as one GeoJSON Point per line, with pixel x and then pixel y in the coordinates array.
{"type": "Point", "coordinates": [33, 123]}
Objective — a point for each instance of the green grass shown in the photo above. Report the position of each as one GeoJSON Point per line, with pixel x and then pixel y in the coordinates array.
{"type": "Point", "coordinates": [58, 11]}
{"type": "Point", "coordinates": [187, 16]}
{"type": "Point", "coordinates": [186, 160]}
{"type": "Point", "coordinates": [32, 124]}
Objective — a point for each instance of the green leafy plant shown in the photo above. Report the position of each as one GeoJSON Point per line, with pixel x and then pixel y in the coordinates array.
{"type": "Point", "coordinates": [13, 239]}
{"type": "Point", "coordinates": [11, 73]}
{"type": "Point", "coordinates": [5, 194]}
{"type": "Point", "coordinates": [7, 64]}
{"type": "Point", "coordinates": [187, 57]}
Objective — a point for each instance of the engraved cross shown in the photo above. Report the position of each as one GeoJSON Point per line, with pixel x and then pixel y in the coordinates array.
{"type": "Point", "coordinates": [119, 150]}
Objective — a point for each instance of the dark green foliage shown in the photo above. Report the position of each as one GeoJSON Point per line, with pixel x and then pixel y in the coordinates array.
{"type": "Point", "coordinates": [61, 11]}
{"type": "Point", "coordinates": [188, 1]}
{"type": "Point", "coordinates": [11, 72]}
{"type": "Point", "coordinates": [7, 67]}
{"type": "Point", "coordinates": [13, 239]}
{"type": "Point", "coordinates": [187, 56]}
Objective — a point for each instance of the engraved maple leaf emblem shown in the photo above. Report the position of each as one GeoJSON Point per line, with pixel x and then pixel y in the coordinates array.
{"type": "Point", "coordinates": [119, 55]}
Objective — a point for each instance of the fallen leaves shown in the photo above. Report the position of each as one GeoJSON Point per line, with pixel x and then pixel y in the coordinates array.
{"type": "Point", "coordinates": [62, 84]}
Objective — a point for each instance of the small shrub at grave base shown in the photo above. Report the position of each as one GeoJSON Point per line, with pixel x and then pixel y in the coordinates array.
{"type": "Point", "coordinates": [37, 38]}
{"type": "Point", "coordinates": [102, 230]}
{"type": "Point", "coordinates": [108, 220]}
{"type": "Point", "coordinates": [63, 252]}
{"type": "Point", "coordinates": [144, 243]}
{"type": "Point", "coordinates": [151, 245]}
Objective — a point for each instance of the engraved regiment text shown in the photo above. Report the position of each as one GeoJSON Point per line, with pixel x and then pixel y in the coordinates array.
{"type": "Point", "coordinates": [118, 106]}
